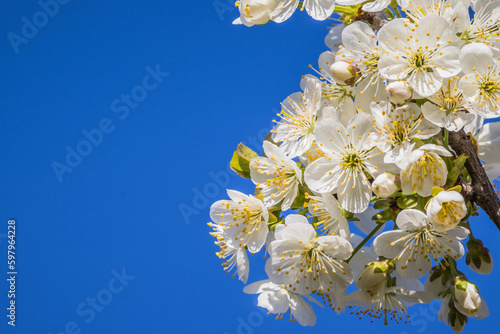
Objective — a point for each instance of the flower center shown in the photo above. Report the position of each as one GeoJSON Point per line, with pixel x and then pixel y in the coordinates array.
{"type": "Point", "coordinates": [449, 212]}
{"type": "Point", "coordinates": [489, 87]}
{"type": "Point", "coordinates": [352, 160]}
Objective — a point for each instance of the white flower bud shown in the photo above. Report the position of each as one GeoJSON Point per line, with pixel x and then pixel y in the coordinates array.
{"type": "Point", "coordinates": [467, 298]}
{"type": "Point", "coordinates": [385, 185]}
{"type": "Point", "coordinates": [399, 92]}
{"type": "Point", "coordinates": [457, 321]}
{"type": "Point", "coordinates": [446, 210]}
{"type": "Point", "coordinates": [373, 277]}
{"type": "Point", "coordinates": [256, 11]}
{"type": "Point", "coordinates": [344, 73]}
{"type": "Point", "coordinates": [485, 267]}
{"type": "Point", "coordinates": [437, 282]}
{"type": "Point", "coordinates": [478, 257]}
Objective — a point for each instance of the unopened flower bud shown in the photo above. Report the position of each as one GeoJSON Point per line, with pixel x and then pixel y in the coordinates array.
{"type": "Point", "coordinates": [344, 73]}
{"type": "Point", "coordinates": [438, 281]}
{"type": "Point", "coordinates": [374, 276]}
{"type": "Point", "coordinates": [446, 210]}
{"type": "Point", "coordinates": [256, 11]}
{"type": "Point", "coordinates": [385, 184]}
{"type": "Point", "coordinates": [467, 298]}
{"type": "Point", "coordinates": [478, 257]}
{"type": "Point", "coordinates": [399, 92]}
{"type": "Point", "coordinates": [456, 320]}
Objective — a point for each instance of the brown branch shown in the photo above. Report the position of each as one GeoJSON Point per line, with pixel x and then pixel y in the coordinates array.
{"type": "Point", "coordinates": [480, 191]}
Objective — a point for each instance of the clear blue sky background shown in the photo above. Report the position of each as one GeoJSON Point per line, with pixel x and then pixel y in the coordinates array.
{"type": "Point", "coordinates": [118, 208]}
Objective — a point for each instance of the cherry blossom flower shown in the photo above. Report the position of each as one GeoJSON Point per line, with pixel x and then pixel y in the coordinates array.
{"type": "Point", "coordinates": [277, 175]}
{"type": "Point", "coordinates": [481, 83]}
{"type": "Point", "coordinates": [417, 242]}
{"type": "Point", "coordinates": [243, 221]}
{"type": "Point", "coordinates": [448, 108]}
{"type": "Point", "coordinates": [360, 49]}
{"type": "Point", "coordinates": [294, 132]}
{"type": "Point", "coordinates": [446, 210]}
{"type": "Point", "coordinates": [277, 299]}
{"type": "Point", "coordinates": [346, 160]}
{"type": "Point", "coordinates": [422, 54]}
{"type": "Point", "coordinates": [425, 169]}
{"type": "Point", "coordinates": [326, 209]}
{"type": "Point", "coordinates": [307, 263]}
{"type": "Point", "coordinates": [395, 129]}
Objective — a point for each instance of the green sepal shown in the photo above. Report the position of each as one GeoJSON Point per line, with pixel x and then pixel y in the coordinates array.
{"type": "Point", "coordinates": [383, 216]}
{"type": "Point", "coordinates": [457, 188]}
{"type": "Point", "coordinates": [460, 161]}
{"type": "Point", "coordinates": [382, 205]}
{"type": "Point", "coordinates": [436, 190]}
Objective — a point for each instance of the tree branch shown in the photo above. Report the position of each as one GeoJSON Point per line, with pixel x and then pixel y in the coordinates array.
{"type": "Point", "coordinates": [480, 191]}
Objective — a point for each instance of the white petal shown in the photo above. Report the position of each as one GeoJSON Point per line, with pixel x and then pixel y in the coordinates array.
{"type": "Point", "coordinates": [319, 9]}
{"type": "Point", "coordinates": [411, 220]}
{"type": "Point", "coordinates": [389, 244]}
{"type": "Point", "coordinates": [302, 311]}
{"type": "Point", "coordinates": [475, 57]}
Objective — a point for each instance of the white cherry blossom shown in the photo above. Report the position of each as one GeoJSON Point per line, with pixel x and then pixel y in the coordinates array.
{"type": "Point", "coordinates": [360, 49]}
{"type": "Point", "coordinates": [425, 169]}
{"type": "Point", "coordinates": [326, 209]}
{"type": "Point", "coordinates": [481, 83]}
{"type": "Point", "coordinates": [346, 160]}
{"type": "Point", "coordinates": [395, 129]}
{"type": "Point", "coordinates": [448, 108]}
{"type": "Point", "coordinates": [390, 303]}
{"type": "Point", "coordinates": [294, 132]}
{"type": "Point", "coordinates": [243, 221]}
{"type": "Point", "coordinates": [307, 263]}
{"type": "Point", "coordinates": [277, 299]}
{"type": "Point", "coordinates": [422, 54]}
{"type": "Point", "coordinates": [416, 243]}
{"type": "Point", "coordinates": [277, 176]}
{"type": "Point", "coordinates": [446, 210]}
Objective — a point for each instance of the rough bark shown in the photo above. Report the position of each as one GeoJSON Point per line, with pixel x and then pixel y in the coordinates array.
{"type": "Point", "coordinates": [480, 191]}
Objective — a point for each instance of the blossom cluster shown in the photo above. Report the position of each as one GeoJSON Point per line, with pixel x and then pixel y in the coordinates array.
{"type": "Point", "coordinates": [365, 147]}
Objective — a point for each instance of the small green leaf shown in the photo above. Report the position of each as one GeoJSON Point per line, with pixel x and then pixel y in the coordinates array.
{"type": "Point", "coordinates": [240, 162]}
{"type": "Point", "coordinates": [407, 202]}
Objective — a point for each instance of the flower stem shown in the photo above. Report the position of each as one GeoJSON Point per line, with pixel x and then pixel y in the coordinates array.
{"type": "Point", "coordinates": [365, 240]}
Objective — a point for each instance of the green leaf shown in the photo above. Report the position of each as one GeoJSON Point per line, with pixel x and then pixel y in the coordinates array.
{"type": "Point", "coordinates": [240, 162]}
{"type": "Point", "coordinates": [407, 202]}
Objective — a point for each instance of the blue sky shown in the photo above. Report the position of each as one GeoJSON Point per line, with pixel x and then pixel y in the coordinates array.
{"type": "Point", "coordinates": [114, 118]}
